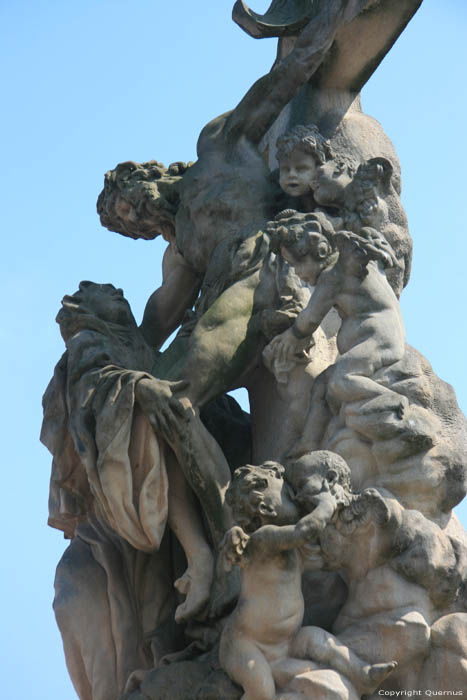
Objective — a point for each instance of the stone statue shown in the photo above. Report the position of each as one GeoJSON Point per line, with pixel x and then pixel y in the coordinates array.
{"type": "Point", "coordinates": [347, 271]}
{"type": "Point", "coordinates": [311, 171]}
{"type": "Point", "coordinates": [334, 569]}
{"type": "Point", "coordinates": [263, 643]}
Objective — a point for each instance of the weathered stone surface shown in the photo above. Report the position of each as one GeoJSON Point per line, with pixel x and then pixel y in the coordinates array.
{"type": "Point", "coordinates": [335, 568]}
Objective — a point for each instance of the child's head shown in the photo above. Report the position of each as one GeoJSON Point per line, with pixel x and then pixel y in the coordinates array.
{"type": "Point", "coordinates": [308, 164]}
{"type": "Point", "coordinates": [318, 471]}
{"type": "Point", "coordinates": [306, 241]}
{"type": "Point", "coordinates": [259, 495]}
{"type": "Point", "coordinates": [300, 153]}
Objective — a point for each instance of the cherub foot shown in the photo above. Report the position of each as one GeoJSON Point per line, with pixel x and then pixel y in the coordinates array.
{"type": "Point", "coordinates": [195, 584]}
{"type": "Point", "coordinates": [372, 676]}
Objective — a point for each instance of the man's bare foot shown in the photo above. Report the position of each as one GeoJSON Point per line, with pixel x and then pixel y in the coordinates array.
{"type": "Point", "coordinates": [195, 584]}
{"type": "Point", "coordinates": [371, 677]}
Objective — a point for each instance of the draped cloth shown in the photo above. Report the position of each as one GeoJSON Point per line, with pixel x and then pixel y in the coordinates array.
{"type": "Point", "coordinates": [107, 457]}
{"type": "Point", "coordinates": [114, 599]}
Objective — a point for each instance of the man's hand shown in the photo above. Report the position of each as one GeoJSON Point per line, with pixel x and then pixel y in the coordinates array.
{"type": "Point", "coordinates": [233, 546]}
{"type": "Point", "coordinates": [166, 412]}
{"type": "Point", "coordinates": [150, 392]}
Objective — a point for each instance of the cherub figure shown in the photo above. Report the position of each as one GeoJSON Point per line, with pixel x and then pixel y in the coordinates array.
{"type": "Point", "coordinates": [321, 484]}
{"type": "Point", "coordinates": [263, 642]}
{"type": "Point", "coordinates": [348, 271]}
{"type": "Point", "coordinates": [361, 195]}
{"type": "Point", "coordinates": [371, 199]}
{"type": "Point", "coordinates": [311, 171]}
{"type": "Point", "coordinates": [402, 570]}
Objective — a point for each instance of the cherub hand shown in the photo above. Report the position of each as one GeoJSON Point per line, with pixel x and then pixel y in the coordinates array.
{"type": "Point", "coordinates": [308, 527]}
{"type": "Point", "coordinates": [233, 546]}
{"type": "Point", "coordinates": [287, 346]}
{"type": "Point", "coordinates": [368, 209]}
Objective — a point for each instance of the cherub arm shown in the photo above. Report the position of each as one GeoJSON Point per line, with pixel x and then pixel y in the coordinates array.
{"type": "Point", "coordinates": [262, 104]}
{"type": "Point", "coordinates": [297, 338]}
{"type": "Point", "coordinates": [233, 546]}
{"type": "Point", "coordinates": [270, 538]}
{"type": "Point", "coordinates": [237, 545]}
{"type": "Point", "coordinates": [166, 306]}
{"type": "Point", "coordinates": [321, 302]}
{"type": "Point", "coordinates": [324, 508]}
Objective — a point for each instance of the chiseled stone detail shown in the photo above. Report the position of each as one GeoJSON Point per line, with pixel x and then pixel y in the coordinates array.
{"type": "Point", "coordinates": [307, 549]}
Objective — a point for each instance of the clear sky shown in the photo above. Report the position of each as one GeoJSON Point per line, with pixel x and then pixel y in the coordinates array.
{"type": "Point", "coordinates": [88, 84]}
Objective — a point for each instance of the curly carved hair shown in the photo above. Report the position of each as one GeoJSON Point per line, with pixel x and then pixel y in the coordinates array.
{"type": "Point", "coordinates": [303, 234]}
{"type": "Point", "coordinates": [140, 200]}
{"type": "Point", "coordinates": [329, 465]}
{"type": "Point", "coordinates": [245, 492]}
{"type": "Point", "coordinates": [368, 245]}
{"type": "Point", "coordinates": [307, 139]}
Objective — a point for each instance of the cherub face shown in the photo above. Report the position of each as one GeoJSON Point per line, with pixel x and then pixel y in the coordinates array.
{"type": "Point", "coordinates": [307, 267]}
{"type": "Point", "coordinates": [278, 505]}
{"type": "Point", "coordinates": [297, 175]}
{"type": "Point", "coordinates": [310, 486]}
{"type": "Point", "coordinates": [331, 180]}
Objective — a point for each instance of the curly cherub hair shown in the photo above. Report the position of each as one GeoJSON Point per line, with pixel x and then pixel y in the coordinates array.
{"type": "Point", "coordinates": [308, 139]}
{"type": "Point", "coordinates": [245, 492]}
{"type": "Point", "coordinates": [369, 244]}
{"type": "Point", "coordinates": [328, 464]}
{"type": "Point", "coordinates": [150, 191]}
{"type": "Point", "coordinates": [303, 234]}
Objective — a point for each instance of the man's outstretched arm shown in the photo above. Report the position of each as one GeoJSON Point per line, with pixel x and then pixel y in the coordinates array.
{"type": "Point", "coordinates": [262, 104]}
{"type": "Point", "coordinates": [167, 305]}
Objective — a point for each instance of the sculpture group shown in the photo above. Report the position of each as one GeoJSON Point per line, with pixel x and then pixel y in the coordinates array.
{"type": "Point", "coordinates": [307, 549]}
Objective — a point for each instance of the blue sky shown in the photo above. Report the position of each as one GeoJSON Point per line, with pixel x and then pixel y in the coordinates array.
{"type": "Point", "coordinates": [88, 84]}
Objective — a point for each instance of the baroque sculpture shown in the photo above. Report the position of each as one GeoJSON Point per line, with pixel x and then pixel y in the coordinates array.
{"type": "Point", "coordinates": [307, 549]}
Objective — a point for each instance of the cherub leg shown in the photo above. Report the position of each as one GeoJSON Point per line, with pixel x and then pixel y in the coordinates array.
{"type": "Point", "coordinates": [326, 649]}
{"type": "Point", "coordinates": [285, 670]}
{"type": "Point", "coordinates": [316, 421]}
{"type": "Point", "coordinates": [403, 635]}
{"type": "Point", "coordinates": [351, 377]}
{"type": "Point", "coordinates": [247, 666]}
{"type": "Point", "coordinates": [185, 522]}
